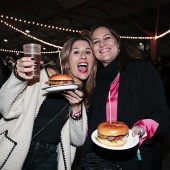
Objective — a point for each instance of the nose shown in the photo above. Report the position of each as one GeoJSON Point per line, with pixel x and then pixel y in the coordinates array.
{"type": "Point", "coordinates": [102, 43]}
{"type": "Point", "coordinates": [83, 56]}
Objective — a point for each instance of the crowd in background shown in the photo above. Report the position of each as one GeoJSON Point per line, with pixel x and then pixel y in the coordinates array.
{"type": "Point", "coordinates": [163, 67]}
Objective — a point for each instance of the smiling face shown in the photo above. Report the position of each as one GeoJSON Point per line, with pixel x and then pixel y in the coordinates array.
{"type": "Point", "coordinates": [80, 60]}
{"type": "Point", "coordinates": [105, 45]}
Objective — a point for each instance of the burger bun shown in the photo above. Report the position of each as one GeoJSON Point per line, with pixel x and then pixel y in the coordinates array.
{"type": "Point", "coordinates": [113, 133]}
{"type": "Point", "coordinates": [61, 77]}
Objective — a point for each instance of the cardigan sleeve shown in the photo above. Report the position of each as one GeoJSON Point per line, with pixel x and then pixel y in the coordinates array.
{"type": "Point", "coordinates": [78, 129]}
{"type": "Point", "coordinates": [11, 97]}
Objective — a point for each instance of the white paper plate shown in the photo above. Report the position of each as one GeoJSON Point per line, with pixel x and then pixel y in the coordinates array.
{"type": "Point", "coordinates": [131, 142]}
{"type": "Point", "coordinates": [61, 88]}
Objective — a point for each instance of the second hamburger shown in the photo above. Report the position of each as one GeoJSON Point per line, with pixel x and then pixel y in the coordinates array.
{"type": "Point", "coordinates": [113, 133]}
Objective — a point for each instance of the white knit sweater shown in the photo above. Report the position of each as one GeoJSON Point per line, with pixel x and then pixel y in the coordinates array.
{"type": "Point", "coordinates": [19, 104]}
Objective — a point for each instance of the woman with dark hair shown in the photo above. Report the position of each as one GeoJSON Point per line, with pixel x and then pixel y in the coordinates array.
{"type": "Point", "coordinates": [41, 130]}
{"type": "Point", "coordinates": [132, 91]}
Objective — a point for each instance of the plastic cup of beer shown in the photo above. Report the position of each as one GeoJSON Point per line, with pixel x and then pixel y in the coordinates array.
{"type": "Point", "coordinates": [34, 51]}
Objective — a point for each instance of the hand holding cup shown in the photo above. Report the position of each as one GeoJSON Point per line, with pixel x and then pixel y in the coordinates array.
{"type": "Point", "coordinates": [28, 66]}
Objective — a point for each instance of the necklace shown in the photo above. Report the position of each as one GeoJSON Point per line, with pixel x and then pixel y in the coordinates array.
{"type": "Point", "coordinates": [50, 121]}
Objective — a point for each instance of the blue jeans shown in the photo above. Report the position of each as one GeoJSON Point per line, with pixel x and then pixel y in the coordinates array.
{"type": "Point", "coordinates": [41, 156]}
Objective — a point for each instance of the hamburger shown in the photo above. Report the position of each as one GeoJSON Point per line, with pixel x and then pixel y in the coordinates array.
{"type": "Point", "coordinates": [113, 133]}
{"type": "Point", "coordinates": [60, 79]}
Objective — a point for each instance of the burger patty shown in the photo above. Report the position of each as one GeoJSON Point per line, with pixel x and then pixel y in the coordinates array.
{"type": "Point", "coordinates": [61, 82]}
{"type": "Point", "coordinates": [112, 138]}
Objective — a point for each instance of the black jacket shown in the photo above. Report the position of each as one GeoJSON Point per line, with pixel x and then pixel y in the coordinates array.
{"type": "Point", "coordinates": [140, 96]}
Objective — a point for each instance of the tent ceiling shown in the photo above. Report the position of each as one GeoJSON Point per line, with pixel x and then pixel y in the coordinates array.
{"type": "Point", "coordinates": [130, 18]}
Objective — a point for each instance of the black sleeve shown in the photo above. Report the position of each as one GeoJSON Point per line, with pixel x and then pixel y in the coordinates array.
{"type": "Point", "coordinates": [157, 108]}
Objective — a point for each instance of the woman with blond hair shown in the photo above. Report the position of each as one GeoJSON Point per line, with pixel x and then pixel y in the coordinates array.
{"type": "Point", "coordinates": [41, 130]}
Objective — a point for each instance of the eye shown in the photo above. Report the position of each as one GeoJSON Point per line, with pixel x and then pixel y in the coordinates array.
{"type": "Point", "coordinates": [75, 52]}
{"type": "Point", "coordinates": [95, 42]}
{"type": "Point", "coordinates": [88, 52]}
{"type": "Point", "coordinates": [107, 37]}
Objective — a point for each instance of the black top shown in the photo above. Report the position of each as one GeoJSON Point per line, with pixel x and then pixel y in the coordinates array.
{"type": "Point", "coordinates": [53, 104]}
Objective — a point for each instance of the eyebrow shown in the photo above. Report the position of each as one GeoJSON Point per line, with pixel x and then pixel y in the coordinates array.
{"type": "Point", "coordinates": [78, 48]}
{"type": "Point", "coordinates": [88, 48]}
{"type": "Point", "coordinates": [103, 36]}
{"type": "Point", "coordinates": [75, 48]}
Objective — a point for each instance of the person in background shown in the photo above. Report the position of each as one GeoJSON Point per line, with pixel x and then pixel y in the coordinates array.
{"type": "Point", "coordinates": [41, 130]}
{"type": "Point", "coordinates": [4, 72]}
{"type": "Point", "coordinates": [136, 98]}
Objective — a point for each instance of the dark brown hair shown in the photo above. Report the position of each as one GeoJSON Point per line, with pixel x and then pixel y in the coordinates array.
{"type": "Point", "coordinates": [123, 55]}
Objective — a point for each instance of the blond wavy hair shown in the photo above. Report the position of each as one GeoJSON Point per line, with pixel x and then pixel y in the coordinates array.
{"type": "Point", "coordinates": [89, 84]}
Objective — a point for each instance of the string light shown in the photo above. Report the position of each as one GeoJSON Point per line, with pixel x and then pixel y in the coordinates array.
{"type": "Point", "coordinates": [33, 37]}
{"type": "Point", "coordinates": [58, 28]}
{"type": "Point", "coordinates": [19, 52]}
{"type": "Point", "coordinates": [137, 38]}
{"type": "Point", "coordinates": [78, 31]}
{"type": "Point", "coordinates": [11, 51]}
{"type": "Point", "coordinates": [50, 52]}
{"type": "Point", "coordinates": [163, 34]}
{"type": "Point", "coordinates": [40, 24]}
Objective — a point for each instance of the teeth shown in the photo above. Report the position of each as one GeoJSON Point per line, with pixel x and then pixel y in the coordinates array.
{"type": "Point", "coordinates": [104, 50]}
{"type": "Point", "coordinates": [83, 64]}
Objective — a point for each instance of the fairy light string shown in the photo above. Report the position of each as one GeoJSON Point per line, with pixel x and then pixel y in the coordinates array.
{"type": "Point", "coordinates": [28, 35]}
{"type": "Point", "coordinates": [58, 28]}
{"type": "Point", "coordinates": [19, 52]}
{"type": "Point", "coordinates": [73, 30]}
{"type": "Point", "coordinates": [40, 24]}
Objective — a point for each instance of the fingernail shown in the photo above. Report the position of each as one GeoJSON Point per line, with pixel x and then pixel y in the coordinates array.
{"type": "Point", "coordinates": [35, 68]}
{"type": "Point", "coordinates": [35, 62]}
{"type": "Point", "coordinates": [32, 58]}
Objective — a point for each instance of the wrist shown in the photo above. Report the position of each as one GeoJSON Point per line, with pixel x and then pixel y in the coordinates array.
{"type": "Point", "coordinates": [16, 74]}
{"type": "Point", "coordinates": [75, 114]}
{"type": "Point", "coordinates": [142, 131]}
{"type": "Point", "coordinates": [75, 107]}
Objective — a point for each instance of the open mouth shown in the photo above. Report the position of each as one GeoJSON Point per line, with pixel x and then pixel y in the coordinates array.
{"type": "Point", "coordinates": [82, 67]}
